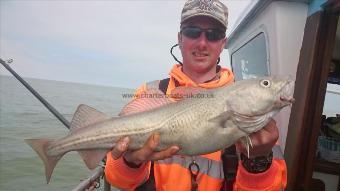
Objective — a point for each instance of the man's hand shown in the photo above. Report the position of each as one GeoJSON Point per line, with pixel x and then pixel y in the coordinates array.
{"type": "Point", "coordinates": [263, 141]}
{"type": "Point", "coordinates": [146, 153]}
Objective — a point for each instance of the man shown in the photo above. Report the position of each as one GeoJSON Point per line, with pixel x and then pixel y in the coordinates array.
{"type": "Point", "coordinates": [201, 40]}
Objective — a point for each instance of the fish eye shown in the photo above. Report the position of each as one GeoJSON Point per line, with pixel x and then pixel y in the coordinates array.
{"type": "Point", "coordinates": [265, 83]}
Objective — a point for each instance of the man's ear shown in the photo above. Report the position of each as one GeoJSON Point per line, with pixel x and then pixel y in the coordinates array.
{"type": "Point", "coordinates": [225, 40]}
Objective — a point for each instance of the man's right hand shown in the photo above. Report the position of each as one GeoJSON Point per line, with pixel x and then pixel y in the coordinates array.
{"type": "Point", "coordinates": [146, 153]}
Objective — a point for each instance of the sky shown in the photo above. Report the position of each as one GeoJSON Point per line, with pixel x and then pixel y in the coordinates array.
{"type": "Point", "coordinates": [102, 42]}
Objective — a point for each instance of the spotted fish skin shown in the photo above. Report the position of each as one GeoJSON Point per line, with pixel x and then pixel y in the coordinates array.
{"type": "Point", "coordinates": [198, 125]}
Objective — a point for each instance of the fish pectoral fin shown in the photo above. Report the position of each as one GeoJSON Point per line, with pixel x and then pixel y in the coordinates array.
{"type": "Point", "coordinates": [148, 100]}
{"type": "Point", "coordinates": [40, 147]}
{"type": "Point", "coordinates": [92, 157]}
{"type": "Point", "coordinates": [222, 118]}
{"type": "Point", "coordinates": [85, 116]}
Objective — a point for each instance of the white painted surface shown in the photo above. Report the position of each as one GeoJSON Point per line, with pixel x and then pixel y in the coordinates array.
{"type": "Point", "coordinates": [332, 100]}
{"type": "Point", "coordinates": [331, 181]}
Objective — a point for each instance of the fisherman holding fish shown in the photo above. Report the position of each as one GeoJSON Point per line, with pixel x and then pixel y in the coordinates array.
{"type": "Point", "coordinates": [201, 40]}
{"type": "Point", "coordinates": [172, 139]}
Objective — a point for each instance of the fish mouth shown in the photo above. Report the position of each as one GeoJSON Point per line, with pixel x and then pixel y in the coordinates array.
{"type": "Point", "coordinates": [286, 93]}
{"type": "Point", "coordinates": [289, 100]}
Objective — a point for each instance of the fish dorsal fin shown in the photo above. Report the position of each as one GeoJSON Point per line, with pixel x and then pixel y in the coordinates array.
{"type": "Point", "coordinates": [85, 116]}
{"type": "Point", "coordinates": [150, 99]}
{"type": "Point", "coordinates": [182, 92]}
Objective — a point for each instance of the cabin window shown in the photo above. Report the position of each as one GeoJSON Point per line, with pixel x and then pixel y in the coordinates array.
{"type": "Point", "coordinates": [250, 61]}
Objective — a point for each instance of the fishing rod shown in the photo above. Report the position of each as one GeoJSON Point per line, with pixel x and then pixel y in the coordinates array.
{"type": "Point", "coordinates": [35, 93]}
{"type": "Point", "coordinates": [85, 183]}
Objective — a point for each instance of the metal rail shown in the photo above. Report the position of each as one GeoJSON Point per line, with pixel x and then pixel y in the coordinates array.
{"type": "Point", "coordinates": [86, 183]}
{"type": "Point", "coordinates": [99, 172]}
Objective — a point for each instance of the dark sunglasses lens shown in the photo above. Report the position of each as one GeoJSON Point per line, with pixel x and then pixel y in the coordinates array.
{"type": "Point", "coordinates": [211, 34]}
{"type": "Point", "coordinates": [192, 32]}
{"type": "Point", "coordinates": [214, 35]}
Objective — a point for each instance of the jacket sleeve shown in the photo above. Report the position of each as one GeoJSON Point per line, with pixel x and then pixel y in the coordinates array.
{"type": "Point", "coordinates": [273, 179]}
{"type": "Point", "coordinates": [119, 175]}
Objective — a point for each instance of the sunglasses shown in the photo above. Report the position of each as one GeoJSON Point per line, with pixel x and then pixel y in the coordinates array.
{"type": "Point", "coordinates": [210, 34]}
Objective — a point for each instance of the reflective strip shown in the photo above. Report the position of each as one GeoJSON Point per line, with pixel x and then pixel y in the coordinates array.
{"type": "Point", "coordinates": [153, 84]}
{"type": "Point", "coordinates": [209, 167]}
{"type": "Point", "coordinates": [277, 152]}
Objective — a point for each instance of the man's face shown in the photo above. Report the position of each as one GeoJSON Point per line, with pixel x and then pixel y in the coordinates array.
{"type": "Point", "coordinates": [199, 54]}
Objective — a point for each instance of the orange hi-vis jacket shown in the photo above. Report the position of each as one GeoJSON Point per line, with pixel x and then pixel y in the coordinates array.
{"type": "Point", "coordinates": [172, 174]}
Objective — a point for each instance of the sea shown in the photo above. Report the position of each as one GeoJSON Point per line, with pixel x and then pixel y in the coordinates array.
{"type": "Point", "coordinates": [22, 117]}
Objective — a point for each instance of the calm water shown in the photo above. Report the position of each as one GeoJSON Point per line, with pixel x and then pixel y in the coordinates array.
{"type": "Point", "coordinates": [22, 116]}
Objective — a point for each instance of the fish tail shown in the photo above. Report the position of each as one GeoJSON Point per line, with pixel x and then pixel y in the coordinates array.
{"type": "Point", "coordinates": [40, 147]}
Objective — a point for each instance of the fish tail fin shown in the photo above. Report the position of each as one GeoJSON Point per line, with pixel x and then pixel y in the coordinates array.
{"type": "Point", "coordinates": [40, 147]}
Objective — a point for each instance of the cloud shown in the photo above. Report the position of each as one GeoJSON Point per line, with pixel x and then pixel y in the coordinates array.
{"type": "Point", "coordinates": [117, 43]}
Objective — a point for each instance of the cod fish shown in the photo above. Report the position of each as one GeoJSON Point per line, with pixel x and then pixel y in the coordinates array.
{"type": "Point", "coordinates": [209, 121]}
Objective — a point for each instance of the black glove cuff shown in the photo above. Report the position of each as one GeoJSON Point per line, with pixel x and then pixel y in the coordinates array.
{"type": "Point", "coordinates": [258, 164]}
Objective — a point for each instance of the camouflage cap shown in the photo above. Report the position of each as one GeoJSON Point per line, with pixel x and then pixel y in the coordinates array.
{"type": "Point", "coordinates": [211, 8]}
